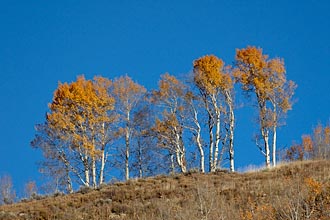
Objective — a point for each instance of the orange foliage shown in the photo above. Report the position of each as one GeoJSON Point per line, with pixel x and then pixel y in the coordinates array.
{"type": "Point", "coordinates": [314, 187]}
{"type": "Point", "coordinates": [169, 87]}
{"type": "Point", "coordinates": [78, 108]}
{"type": "Point", "coordinates": [307, 143]}
{"type": "Point", "coordinates": [210, 74]}
{"type": "Point", "coordinates": [265, 76]}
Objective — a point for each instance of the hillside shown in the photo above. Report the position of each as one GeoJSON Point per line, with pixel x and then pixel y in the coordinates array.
{"type": "Point", "coordinates": [299, 190]}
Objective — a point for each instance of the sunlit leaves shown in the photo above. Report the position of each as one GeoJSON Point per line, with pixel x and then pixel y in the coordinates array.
{"type": "Point", "coordinates": [266, 78]}
{"type": "Point", "coordinates": [209, 74]}
{"type": "Point", "coordinates": [307, 143]}
{"type": "Point", "coordinates": [79, 108]}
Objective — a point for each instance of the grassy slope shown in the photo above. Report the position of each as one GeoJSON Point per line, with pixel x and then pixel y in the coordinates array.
{"type": "Point", "coordinates": [294, 191]}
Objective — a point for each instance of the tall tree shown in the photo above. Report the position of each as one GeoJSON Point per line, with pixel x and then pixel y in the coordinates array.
{"type": "Point", "coordinates": [227, 89]}
{"type": "Point", "coordinates": [144, 161]}
{"type": "Point", "coordinates": [169, 125]}
{"type": "Point", "coordinates": [214, 83]}
{"type": "Point", "coordinates": [266, 78]}
{"type": "Point", "coordinates": [280, 97]}
{"type": "Point", "coordinates": [127, 94]}
{"type": "Point", "coordinates": [77, 130]}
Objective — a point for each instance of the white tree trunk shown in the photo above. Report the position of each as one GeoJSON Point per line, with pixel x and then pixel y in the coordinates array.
{"type": "Point", "coordinates": [231, 136]}
{"type": "Point", "coordinates": [231, 129]}
{"type": "Point", "coordinates": [101, 178]}
{"type": "Point", "coordinates": [127, 138]}
{"type": "Point", "coordinates": [180, 158]}
{"type": "Point", "coordinates": [217, 132]}
{"type": "Point", "coordinates": [264, 132]}
{"type": "Point", "coordinates": [274, 146]}
{"type": "Point", "coordinates": [86, 171]}
{"type": "Point", "coordinates": [217, 139]}
{"type": "Point", "coordinates": [180, 152]}
{"type": "Point", "coordinates": [211, 144]}
{"type": "Point", "coordinates": [266, 142]}
{"type": "Point", "coordinates": [200, 148]}
{"type": "Point", "coordinates": [172, 163]}
{"type": "Point", "coordinates": [197, 133]}
{"type": "Point", "coordinates": [274, 134]}
{"type": "Point", "coordinates": [127, 162]}
{"type": "Point", "coordinates": [94, 172]}
{"type": "Point", "coordinates": [102, 167]}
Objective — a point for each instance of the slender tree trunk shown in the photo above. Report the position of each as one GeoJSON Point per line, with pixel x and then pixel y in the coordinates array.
{"type": "Point", "coordinates": [127, 162]}
{"type": "Point", "coordinates": [86, 171]}
{"type": "Point", "coordinates": [172, 163]}
{"type": "Point", "coordinates": [274, 134]}
{"type": "Point", "coordinates": [200, 148]}
{"type": "Point", "coordinates": [140, 160]}
{"type": "Point", "coordinates": [267, 151]}
{"type": "Point", "coordinates": [265, 135]}
{"type": "Point", "coordinates": [94, 172]}
{"type": "Point", "coordinates": [94, 162]}
{"type": "Point", "coordinates": [127, 138]}
{"type": "Point", "coordinates": [69, 184]}
{"type": "Point", "coordinates": [101, 179]}
{"type": "Point", "coordinates": [181, 161]}
{"type": "Point", "coordinates": [231, 130]}
{"type": "Point", "coordinates": [211, 144]}
{"type": "Point", "coordinates": [217, 140]}
{"type": "Point", "coordinates": [264, 131]}
{"type": "Point", "coordinates": [68, 179]}
{"type": "Point", "coordinates": [274, 146]}
{"type": "Point", "coordinates": [180, 151]}
{"type": "Point", "coordinates": [102, 167]}
{"type": "Point", "coordinates": [197, 134]}
{"type": "Point", "coordinates": [217, 132]}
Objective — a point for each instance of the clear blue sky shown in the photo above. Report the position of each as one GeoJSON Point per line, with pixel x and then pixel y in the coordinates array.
{"type": "Point", "coordinates": [43, 42]}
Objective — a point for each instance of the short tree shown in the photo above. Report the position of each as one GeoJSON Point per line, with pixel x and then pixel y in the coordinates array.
{"type": "Point", "coordinates": [7, 192]}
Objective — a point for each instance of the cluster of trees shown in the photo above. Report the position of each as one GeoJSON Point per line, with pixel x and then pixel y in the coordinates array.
{"type": "Point", "coordinates": [312, 146]}
{"type": "Point", "coordinates": [8, 194]}
{"type": "Point", "coordinates": [102, 127]}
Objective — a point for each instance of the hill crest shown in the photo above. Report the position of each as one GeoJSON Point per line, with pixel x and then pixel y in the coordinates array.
{"type": "Point", "coordinates": [298, 189]}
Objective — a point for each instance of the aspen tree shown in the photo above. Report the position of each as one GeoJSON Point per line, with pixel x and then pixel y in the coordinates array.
{"type": "Point", "coordinates": [192, 102]}
{"type": "Point", "coordinates": [266, 78]}
{"type": "Point", "coordinates": [214, 83]}
{"type": "Point", "coordinates": [169, 125]}
{"type": "Point", "coordinates": [127, 94]}
{"type": "Point", "coordinates": [77, 130]}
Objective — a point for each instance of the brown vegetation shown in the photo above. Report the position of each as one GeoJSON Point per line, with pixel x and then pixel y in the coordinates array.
{"type": "Point", "coordinates": [295, 191]}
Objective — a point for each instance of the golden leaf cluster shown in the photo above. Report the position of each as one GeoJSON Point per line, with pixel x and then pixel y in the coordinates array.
{"type": "Point", "coordinates": [210, 75]}
{"type": "Point", "coordinates": [266, 77]}
{"type": "Point", "coordinates": [78, 110]}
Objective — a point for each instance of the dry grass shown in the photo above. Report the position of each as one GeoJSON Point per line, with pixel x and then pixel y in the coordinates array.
{"type": "Point", "coordinates": [299, 190]}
